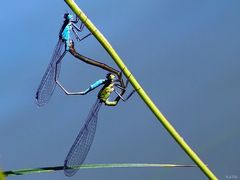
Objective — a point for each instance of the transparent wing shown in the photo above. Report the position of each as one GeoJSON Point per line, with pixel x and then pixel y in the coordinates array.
{"type": "Point", "coordinates": [83, 142]}
{"type": "Point", "coordinates": [47, 85]}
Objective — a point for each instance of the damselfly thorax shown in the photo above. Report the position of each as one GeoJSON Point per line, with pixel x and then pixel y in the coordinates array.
{"type": "Point", "coordinates": [106, 92]}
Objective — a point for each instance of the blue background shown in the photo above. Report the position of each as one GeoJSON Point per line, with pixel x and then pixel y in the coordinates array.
{"type": "Point", "coordinates": [184, 53]}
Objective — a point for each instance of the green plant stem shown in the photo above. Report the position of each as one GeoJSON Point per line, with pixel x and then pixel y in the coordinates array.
{"type": "Point", "coordinates": [2, 176]}
{"type": "Point", "coordinates": [106, 45]}
{"type": "Point", "coordinates": [88, 166]}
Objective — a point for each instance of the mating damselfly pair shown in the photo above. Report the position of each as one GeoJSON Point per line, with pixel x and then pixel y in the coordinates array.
{"type": "Point", "coordinates": [111, 83]}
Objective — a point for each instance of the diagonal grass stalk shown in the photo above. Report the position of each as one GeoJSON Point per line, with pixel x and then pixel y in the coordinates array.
{"type": "Point", "coordinates": [88, 166]}
{"type": "Point", "coordinates": [107, 46]}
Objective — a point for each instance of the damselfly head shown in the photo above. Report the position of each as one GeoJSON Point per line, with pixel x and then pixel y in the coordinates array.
{"type": "Point", "coordinates": [68, 16]}
{"type": "Point", "coordinates": [110, 76]}
{"type": "Point", "coordinates": [65, 15]}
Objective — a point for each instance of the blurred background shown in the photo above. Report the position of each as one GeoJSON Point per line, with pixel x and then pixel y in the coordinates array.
{"type": "Point", "coordinates": [185, 54]}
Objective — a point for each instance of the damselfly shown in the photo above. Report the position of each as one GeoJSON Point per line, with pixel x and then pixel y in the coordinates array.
{"type": "Point", "coordinates": [83, 142]}
{"type": "Point", "coordinates": [48, 83]}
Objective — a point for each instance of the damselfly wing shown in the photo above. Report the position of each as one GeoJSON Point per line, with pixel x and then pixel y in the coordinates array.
{"type": "Point", "coordinates": [48, 84]}
{"type": "Point", "coordinates": [83, 142]}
